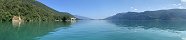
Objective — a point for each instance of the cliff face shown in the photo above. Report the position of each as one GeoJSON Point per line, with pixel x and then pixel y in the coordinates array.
{"type": "Point", "coordinates": [29, 10]}
{"type": "Point", "coordinates": [172, 14]}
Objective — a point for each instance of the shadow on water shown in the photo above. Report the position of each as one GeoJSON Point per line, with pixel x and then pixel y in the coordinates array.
{"type": "Point", "coordinates": [28, 30]}
{"type": "Point", "coordinates": [146, 24]}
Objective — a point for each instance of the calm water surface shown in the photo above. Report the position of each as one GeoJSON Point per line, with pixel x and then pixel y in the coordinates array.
{"type": "Point", "coordinates": [94, 30]}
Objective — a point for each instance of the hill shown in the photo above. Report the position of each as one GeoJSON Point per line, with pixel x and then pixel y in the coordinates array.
{"type": "Point", "coordinates": [171, 14]}
{"type": "Point", "coordinates": [82, 18]}
{"type": "Point", "coordinates": [29, 10]}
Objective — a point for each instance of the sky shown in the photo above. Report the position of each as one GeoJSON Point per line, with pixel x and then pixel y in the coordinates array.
{"type": "Point", "coordinates": [99, 9]}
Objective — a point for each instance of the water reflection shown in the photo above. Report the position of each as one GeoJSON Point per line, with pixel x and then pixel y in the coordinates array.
{"type": "Point", "coordinates": [174, 29]}
{"type": "Point", "coordinates": [28, 30]}
{"type": "Point", "coordinates": [95, 30]}
{"type": "Point", "coordinates": [171, 25]}
{"type": "Point", "coordinates": [119, 30]}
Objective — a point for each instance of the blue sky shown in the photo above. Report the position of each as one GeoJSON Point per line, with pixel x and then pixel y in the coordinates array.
{"type": "Point", "coordinates": [99, 9]}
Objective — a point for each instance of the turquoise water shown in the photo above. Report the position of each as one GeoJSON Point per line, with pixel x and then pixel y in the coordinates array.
{"type": "Point", "coordinates": [94, 30]}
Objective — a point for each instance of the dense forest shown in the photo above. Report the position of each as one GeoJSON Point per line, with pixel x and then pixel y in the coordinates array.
{"type": "Point", "coordinates": [29, 10]}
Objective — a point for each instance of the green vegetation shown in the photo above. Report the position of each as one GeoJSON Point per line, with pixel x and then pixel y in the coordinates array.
{"type": "Point", "coordinates": [29, 10]}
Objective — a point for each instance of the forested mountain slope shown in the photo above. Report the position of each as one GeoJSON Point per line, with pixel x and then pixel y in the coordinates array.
{"type": "Point", "coordinates": [29, 10]}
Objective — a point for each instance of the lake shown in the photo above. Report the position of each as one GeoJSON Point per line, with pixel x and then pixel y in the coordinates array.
{"type": "Point", "coordinates": [94, 30]}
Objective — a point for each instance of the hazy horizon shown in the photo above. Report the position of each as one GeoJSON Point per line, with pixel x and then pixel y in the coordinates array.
{"type": "Point", "coordinates": [99, 9]}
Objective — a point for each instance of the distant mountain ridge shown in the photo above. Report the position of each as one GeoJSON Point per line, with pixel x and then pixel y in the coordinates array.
{"type": "Point", "coordinates": [82, 18]}
{"type": "Point", "coordinates": [171, 14]}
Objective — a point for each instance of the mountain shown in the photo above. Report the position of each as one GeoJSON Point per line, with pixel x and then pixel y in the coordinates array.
{"type": "Point", "coordinates": [82, 18]}
{"type": "Point", "coordinates": [171, 14]}
{"type": "Point", "coordinates": [29, 10]}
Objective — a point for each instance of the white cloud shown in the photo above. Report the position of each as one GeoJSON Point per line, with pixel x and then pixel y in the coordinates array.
{"type": "Point", "coordinates": [133, 8]}
{"type": "Point", "coordinates": [183, 4]}
{"type": "Point", "coordinates": [183, 0]}
{"type": "Point", "coordinates": [179, 5]}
